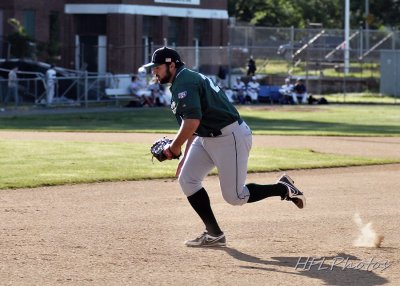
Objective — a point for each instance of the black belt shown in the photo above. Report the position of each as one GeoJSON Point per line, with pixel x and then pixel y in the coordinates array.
{"type": "Point", "coordinates": [216, 133]}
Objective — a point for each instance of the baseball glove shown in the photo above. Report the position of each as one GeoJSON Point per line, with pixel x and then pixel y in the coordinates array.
{"type": "Point", "coordinates": [158, 147]}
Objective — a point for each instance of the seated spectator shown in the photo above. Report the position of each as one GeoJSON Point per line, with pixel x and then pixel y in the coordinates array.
{"type": "Point", "coordinates": [253, 88]}
{"type": "Point", "coordinates": [139, 89]}
{"type": "Point", "coordinates": [286, 91]}
{"type": "Point", "coordinates": [134, 88]}
{"type": "Point", "coordinates": [299, 91]}
{"type": "Point", "coordinates": [239, 91]}
{"type": "Point", "coordinates": [158, 93]}
{"type": "Point", "coordinates": [135, 85]}
{"type": "Point", "coordinates": [229, 93]}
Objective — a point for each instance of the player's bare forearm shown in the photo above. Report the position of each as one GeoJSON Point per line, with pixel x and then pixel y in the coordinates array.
{"type": "Point", "coordinates": [185, 133]}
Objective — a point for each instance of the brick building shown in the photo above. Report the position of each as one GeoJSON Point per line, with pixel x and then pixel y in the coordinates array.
{"type": "Point", "coordinates": [41, 20]}
{"type": "Point", "coordinates": [117, 35]}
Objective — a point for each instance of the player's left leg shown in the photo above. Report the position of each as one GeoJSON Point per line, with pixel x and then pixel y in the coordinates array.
{"type": "Point", "coordinates": [197, 165]}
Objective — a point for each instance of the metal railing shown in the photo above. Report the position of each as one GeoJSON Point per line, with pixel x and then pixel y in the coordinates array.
{"type": "Point", "coordinates": [76, 89]}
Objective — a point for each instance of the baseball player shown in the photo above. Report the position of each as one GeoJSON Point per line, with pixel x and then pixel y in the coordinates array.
{"type": "Point", "coordinates": [51, 79]}
{"type": "Point", "coordinates": [215, 136]}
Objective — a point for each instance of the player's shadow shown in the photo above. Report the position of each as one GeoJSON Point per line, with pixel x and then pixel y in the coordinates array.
{"type": "Point", "coordinates": [328, 270]}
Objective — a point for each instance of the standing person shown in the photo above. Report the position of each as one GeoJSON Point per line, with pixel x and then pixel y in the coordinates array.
{"type": "Point", "coordinates": [12, 92]}
{"type": "Point", "coordinates": [222, 75]}
{"type": "Point", "coordinates": [215, 135]}
{"type": "Point", "coordinates": [251, 67]}
{"type": "Point", "coordinates": [51, 83]}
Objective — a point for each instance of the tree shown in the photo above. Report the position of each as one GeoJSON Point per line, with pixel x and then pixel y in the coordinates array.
{"type": "Point", "coordinates": [21, 43]}
{"type": "Point", "coordinates": [243, 10]}
{"type": "Point", "coordinates": [386, 13]}
{"type": "Point", "coordinates": [278, 13]}
{"type": "Point", "coordinates": [330, 13]}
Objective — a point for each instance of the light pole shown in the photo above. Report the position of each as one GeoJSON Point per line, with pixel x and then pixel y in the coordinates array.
{"type": "Point", "coordinates": [346, 36]}
{"type": "Point", "coordinates": [367, 19]}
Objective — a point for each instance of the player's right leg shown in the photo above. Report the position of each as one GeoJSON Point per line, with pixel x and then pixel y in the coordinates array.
{"type": "Point", "coordinates": [293, 193]}
{"type": "Point", "coordinates": [284, 187]}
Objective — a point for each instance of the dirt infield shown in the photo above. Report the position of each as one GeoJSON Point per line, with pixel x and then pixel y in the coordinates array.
{"type": "Point", "coordinates": [132, 233]}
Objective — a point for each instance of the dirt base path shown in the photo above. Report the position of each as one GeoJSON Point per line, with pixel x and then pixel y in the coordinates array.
{"type": "Point", "coordinates": [132, 233]}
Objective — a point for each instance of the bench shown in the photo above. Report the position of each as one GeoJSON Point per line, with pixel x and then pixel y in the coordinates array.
{"type": "Point", "coordinates": [118, 92]}
{"type": "Point", "coordinates": [270, 94]}
{"type": "Point", "coordinates": [121, 94]}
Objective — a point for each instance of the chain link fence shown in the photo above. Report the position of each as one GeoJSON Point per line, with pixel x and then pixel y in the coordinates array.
{"type": "Point", "coordinates": [316, 55]}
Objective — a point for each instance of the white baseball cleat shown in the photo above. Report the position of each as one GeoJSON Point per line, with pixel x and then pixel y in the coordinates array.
{"type": "Point", "coordinates": [207, 240]}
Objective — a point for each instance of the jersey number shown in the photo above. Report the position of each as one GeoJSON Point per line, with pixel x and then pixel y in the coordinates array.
{"type": "Point", "coordinates": [211, 83]}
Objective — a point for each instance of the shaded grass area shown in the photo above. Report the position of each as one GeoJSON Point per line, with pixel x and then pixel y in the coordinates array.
{"type": "Point", "coordinates": [126, 120]}
{"type": "Point", "coordinates": [326, 121]}
{"type": "Point", "coordinates": [45, 163]}
{"type": "Point", "coordinates": [362, 98]}
{"type": "Point", "coordinates": [332, 120]}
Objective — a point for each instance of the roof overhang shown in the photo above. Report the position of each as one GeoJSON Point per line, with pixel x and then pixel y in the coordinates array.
{"type": "Point", "coordinates": [145, 10]}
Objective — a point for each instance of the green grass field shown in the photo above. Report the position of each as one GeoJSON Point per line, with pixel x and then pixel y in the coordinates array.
{"type": "Point", "coordinates": [42, 163]}
{"type": "Point", "coordinates": [39, 163]}
{"type": "Point", "coordinates": [282, 67]}
{"type": "Point", "coordinates": [331, 120]}
{"type": "Point", "coordinates": [362, 98]}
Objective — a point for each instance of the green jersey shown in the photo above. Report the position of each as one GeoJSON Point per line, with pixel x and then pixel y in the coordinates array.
{"type": "Point", "coordinates": [195, 96]}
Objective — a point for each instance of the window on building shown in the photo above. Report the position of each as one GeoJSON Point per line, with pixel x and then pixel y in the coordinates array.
{"type": "Point", "coordinates": [149, 23]}
{"type": "Point", "coordinates": [198, 27]}
{"type": "Point", "coordinates": [89, 52]}
{"type": "Point", "coordinates": [1, 23]}
{"type": "Point", "coordinates": [54, 26]}
{"type": "Point", "coordinates": [2, 40]}
{"type": "Point", "coordinates": [174, 30]}
{"type": "Point", "coordinates": [91, 24]}
{"type": "Point", "coordinates": [30, 22]}
{"type": "Point", "coordinates": [149, 33]}
{"type": "Point", "coordinates": [54, 34]}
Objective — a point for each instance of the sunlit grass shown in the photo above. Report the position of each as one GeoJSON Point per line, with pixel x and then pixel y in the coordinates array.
{"type": "Point", "coordinates": [46, 163]}
{"type": "Point", "coordinates": [333, 120]}
{"type": "Point", "coordinates": [302, 68]}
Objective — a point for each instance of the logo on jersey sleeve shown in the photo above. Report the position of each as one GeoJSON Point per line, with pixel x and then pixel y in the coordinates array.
{"type": "Point", "coordinates": [182, 94]}
{"type": "Point", "coordinates": [173, 107]}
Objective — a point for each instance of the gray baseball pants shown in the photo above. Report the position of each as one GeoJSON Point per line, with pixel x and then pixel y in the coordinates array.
{"type": "Point", "coordinates": [229, 153]}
